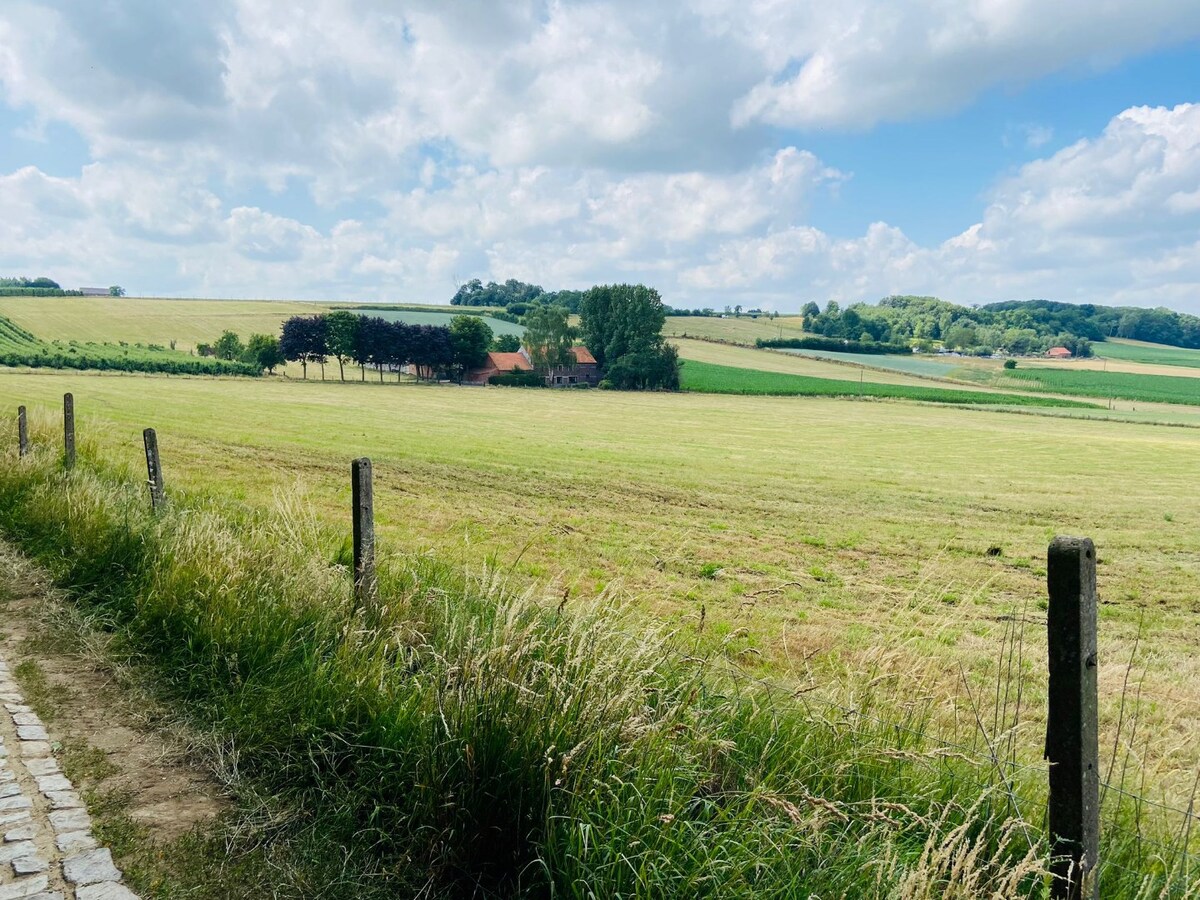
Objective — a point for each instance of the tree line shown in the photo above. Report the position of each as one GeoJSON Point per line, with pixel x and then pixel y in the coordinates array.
{"type": "Point", "coordinates": [620, 324]}
{"type": "Point", "coordinates": [374, 342]}
{"type": "Point", "coordinates": [515, 297]}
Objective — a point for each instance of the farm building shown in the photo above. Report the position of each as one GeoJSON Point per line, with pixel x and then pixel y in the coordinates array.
{"type": "Point", "coordinates": [93, 292]}
{"type": "Point", "coordinates": [1059, 353]}
{"type": "Point", "coordinates": [584, 371]}
{"type": "Point", "coordinates": [499, 364]}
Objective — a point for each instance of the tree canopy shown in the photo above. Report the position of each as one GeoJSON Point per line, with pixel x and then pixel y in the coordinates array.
{"type": "Point", "coordinates": [622, 326]}
{"type": "Point", "coordinates": [470, 338]}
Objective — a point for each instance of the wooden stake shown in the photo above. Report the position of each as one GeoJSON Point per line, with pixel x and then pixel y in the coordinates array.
{"type": "Point", "coordinates": [1072, 745]}
{"type": "Point", "coordinates": [69, 431]}
{"type": "Point", "coordinates": [22, 432]}
{"type": "Point", "coordinates": [154, 469]}
{"type": "Point", "coordinates": [363, 499]}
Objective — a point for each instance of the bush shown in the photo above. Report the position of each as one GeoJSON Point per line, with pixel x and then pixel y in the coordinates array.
{"type": "Point", "coordinates": [1010, 364]}
{"type": "Point", "coordinates": [519, 379]}
{"type": "Point", "coordinates": [827, 343]}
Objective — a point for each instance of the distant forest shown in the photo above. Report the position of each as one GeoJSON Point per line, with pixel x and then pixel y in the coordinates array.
{"type": "Point", "coordinates": [1017, 327]}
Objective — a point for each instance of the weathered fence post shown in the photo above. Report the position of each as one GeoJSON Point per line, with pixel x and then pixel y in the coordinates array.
{"type": "Point", "coordinates": [1072, 746]}
{"type": "Point", "coordinates": [363, 499]}
{"type": "Point", "coordinates": [22, 432]}
{"type": "Point", "coordinates": [69, 431]}
{"type": "Point", "coordinates": [153, 469]}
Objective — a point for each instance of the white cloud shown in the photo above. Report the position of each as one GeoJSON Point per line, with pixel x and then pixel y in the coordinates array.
{"type": "Point", "coordinates": [568, 142]}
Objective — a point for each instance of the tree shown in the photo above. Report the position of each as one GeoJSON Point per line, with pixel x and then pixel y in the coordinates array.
{"type": "Point", "coordinates": [470, 338]}
{"type": "Point", "coordinates": [622, 326]}
{"type": "Point", "coordinates": [737, 311]}
{"type": "Point", "coordinates": [263, 351]}
{"type": "Point", "coordinates": [341, 336]}
{"type": "Point", "coordinates": [116, 291]}
{"type": "Point", "coordinates": [619, 319]}
{"type": "Point", "coordinates": [505, 343]}
{"type": "Point", "coordinates": [228, 346]}
{"type": "Point", "coordinates": [303, 339]}
{"type": "Point", "coordinates": [549, 338]}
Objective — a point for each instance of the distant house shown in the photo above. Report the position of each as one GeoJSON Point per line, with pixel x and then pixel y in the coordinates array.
{"type": "Point", "coordinates": [584, 371]}
{"type": "Point", "coordinates": [499, 364]}
{"type": "Point", "coordinates": [94, 292]}
{"type": "Point", "coordinates": [1059, 353]}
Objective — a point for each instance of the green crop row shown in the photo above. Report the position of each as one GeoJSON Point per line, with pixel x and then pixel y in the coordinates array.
{"type": "Point", "coordinates": [1120, 385]}
{"type": "Point", "coordinates": [709, 378]}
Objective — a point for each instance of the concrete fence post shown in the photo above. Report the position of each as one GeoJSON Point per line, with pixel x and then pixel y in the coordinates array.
{"type": "Point", "coordinates": [22, 432]}
{"type": "Point", "coordinates": [154, 474]}
{"type": "Point", "coordinates": [69, 431]}
{"type": "Point", "coordinates": [363, 500]}
{"type": "Point", "coordinates": [1072, 743]}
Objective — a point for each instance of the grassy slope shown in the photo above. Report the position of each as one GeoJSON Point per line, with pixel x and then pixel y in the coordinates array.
{"type": "Point", "coordinates": [1138, 351]}
{"type": "Point", "coordinates": [865, 524]}
{"type": "Point", "coordinates": [816, 366]}
{"type": "Point", "coordinates": [739, 331]}
{"type": "Point", "coordinates": [717, 379]}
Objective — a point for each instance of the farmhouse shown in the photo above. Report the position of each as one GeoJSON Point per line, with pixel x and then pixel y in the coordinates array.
{"type": "Point", "coordinates": [584, 371]}
{"type": "Point", "coordinates": [499, 364]}
{"type": "Point", "coordinates": [1059, 353]}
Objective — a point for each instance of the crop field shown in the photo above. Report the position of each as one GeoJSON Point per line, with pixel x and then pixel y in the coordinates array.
{"type": "Point", "coordinates": [742, 330]}
{"type": "Point", "coordinates": [1155, 354]}
{"type": "Point", "coordinates": [1090, 383]}
{"type": "Point", "coordinates": [20, 348]}
{"type": "Point", "coordinates": [716, 379]}
{"type": "Point", "coordinates": [793, 363]}
{"type": "Point", "coordinates": [912, 364]}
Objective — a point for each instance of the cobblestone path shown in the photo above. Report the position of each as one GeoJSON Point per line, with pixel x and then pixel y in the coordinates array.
{"type": "Point", "coordinates": [48, 851]}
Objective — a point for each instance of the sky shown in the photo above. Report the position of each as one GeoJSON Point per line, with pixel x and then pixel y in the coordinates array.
{"type": "Point", "coordinates": [754, 152]}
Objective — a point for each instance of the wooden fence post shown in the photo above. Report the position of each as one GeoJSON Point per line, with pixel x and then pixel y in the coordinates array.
{"type": "Point", "coordinates": [1072, 746]}
{"type": "Point", "coordinates": [22, 432]}
{"type": "Point", "coordinates": [69, 431]}
{"type": "Point", "coordinates": [363, 499]}
{"type": "Point", "coordinates": [153, 469]}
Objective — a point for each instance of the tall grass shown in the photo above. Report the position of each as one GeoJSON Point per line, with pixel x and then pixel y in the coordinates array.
{"type": "Point", "coordinates": [468, 737]}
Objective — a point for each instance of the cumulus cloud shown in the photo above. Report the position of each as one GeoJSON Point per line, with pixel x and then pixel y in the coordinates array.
{"type": "Point", "coordinates": [572, 141]}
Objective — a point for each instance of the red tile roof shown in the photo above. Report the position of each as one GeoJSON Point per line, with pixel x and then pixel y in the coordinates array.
{"type": "Point", "coordinates": [1058, 352]}
{"type": "Point", "coordinates": [506, 362]}
{"type": "Point", "coordinates": [583, 356]}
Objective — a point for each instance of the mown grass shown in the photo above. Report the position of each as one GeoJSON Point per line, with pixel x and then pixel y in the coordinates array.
{"type": "Point", "coordinates": [1090, 383]}
{"type": "Point", "coordinates": [464, 735]}
{"type": "Point", "coordinates": [1156, 354]}
{"type": "Point", "coordinates": [716, 379]}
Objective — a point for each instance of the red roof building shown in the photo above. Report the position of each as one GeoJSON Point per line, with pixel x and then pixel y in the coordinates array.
{"type": "Point", "coordinates": [585, 370]}
{"type": "Point", "coordinates": [1059, 353]}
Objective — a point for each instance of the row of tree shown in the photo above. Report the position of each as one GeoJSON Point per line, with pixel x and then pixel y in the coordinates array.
{"type": "Point", "coordinates": [261, 350]}
{"type": "Point", "coordinates": [515, 297]}
{"type": "Point", "coordinates": [372, 341]}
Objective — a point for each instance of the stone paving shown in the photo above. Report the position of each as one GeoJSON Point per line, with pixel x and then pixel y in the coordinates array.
{"type": "Point", "coordinates": [48, 851]}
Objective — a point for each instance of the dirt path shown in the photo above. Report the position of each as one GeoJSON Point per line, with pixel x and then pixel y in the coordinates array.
{"type": "Point", "coordinates": [84, 761]}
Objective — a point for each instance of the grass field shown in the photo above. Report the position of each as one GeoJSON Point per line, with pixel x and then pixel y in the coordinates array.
{"type": "Point", "coordinates": [742, 330]}
{"type": "Point", "coordinates": [717, 379]}
{"type": "Point", "coordinates": [825, 543]}
{"type": "Point", "coordinates": [1155, 354]}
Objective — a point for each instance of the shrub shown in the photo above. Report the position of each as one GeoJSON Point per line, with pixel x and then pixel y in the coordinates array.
{"type": "Point", "coordinates": [519, 379]}
{"type": "Point", "coordinates": [1010, 364]}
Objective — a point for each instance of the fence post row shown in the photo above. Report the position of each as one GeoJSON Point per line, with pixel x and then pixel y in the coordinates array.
{"type": "Point", "coordinates": [1072, 743]}
{"type": "Point", "coordinates": [22, 432]}
{"type": "Point", "coordinates": [69, 431]}
{"type": "Point", "coordinates": [363, 500]}
{"type": "Point", "coordinates": [154, 474]}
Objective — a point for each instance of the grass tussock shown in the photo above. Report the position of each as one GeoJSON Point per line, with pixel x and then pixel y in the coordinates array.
{"type": "Point", "coordinates": [469, 737]}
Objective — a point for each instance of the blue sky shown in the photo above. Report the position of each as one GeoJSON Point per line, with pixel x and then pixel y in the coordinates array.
{"type": "Point", "coordinates": [726, 152]}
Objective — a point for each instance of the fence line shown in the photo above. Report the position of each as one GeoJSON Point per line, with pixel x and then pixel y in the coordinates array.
{"type": "Point", "coordinates": [1074, 824]}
